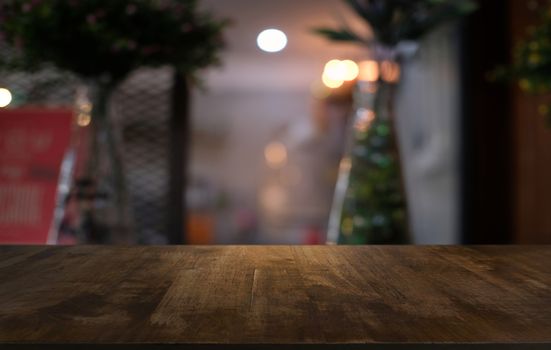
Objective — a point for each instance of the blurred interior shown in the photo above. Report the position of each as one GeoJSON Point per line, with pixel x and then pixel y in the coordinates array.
{"type": "Point", "coordinates": [267, 136]}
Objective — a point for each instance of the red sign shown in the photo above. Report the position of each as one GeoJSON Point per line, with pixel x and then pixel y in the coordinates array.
{"type": "Point", "coordinates": [32, 145]}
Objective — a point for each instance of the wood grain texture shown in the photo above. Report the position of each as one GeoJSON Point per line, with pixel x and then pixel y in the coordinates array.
{"type": "Point", "coordinates": [255, 296]}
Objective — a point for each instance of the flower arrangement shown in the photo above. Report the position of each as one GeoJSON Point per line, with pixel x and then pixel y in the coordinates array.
{"type": "Point", "coordinates": [108, 38]}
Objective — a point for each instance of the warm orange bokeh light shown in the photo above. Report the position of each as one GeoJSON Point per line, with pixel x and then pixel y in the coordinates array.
{"type": "Point", "coordinates": [336, 72]}
{"type": "Point", "coordinates": [390, 71]}
{"type": "Point", "coordinates": [369, 71]}
{"type": "Point", "coordinates": [276, 155]}
{"type": "Point", "coordinates": [84, 119]}
{"type": "Point", "coordinates": [346, 70]}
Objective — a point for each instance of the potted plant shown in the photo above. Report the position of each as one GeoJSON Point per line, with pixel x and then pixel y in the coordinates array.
{"type": "Point", "coordinates": [101, 42]}
{"type": "Point", "coordinates": [370, 204]}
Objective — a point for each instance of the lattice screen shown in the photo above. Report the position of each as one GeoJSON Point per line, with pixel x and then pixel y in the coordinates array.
{"type": "Point", "coordinates": [142, 110]}
{"type": "Point", "coordinates": [143, 106]}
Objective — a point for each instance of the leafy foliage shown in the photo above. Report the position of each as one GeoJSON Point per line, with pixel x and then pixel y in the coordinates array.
{"type": "Point", "coordinates": [532, 59]}
{"type": "Point", "coordinates": [393, 21]}
{"type": "Point", "coordinates": [531, 64]}
{"type": "Point", "coordinates": [108, 38]}
{"type": "Point", "coordinates": [374, 208]}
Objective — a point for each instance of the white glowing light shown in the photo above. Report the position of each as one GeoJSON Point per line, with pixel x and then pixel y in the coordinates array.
{"type": "Point", "coordinates": [334, 70]}
{"type": "Point", "coordinates": [346, 70]}
{"type": "Point", "coordinates": [351, 70]}
{"type": "Point", "coordinates": [5, 97]}
{"type": "Point", "coordinates": [330, 82]}
{"type": "Point", "coordinates": [271, 40]}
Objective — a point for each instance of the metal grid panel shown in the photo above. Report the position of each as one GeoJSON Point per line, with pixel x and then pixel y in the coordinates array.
{"type": "Point", "coordinates": [45, 88]}
{"type": "Point", "coordinates": [142, 110]}
{"type": "Point", "coordinates": [142, 107]}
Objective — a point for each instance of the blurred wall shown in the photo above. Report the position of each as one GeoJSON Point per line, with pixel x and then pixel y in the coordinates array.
{"type": "Point", "coordinates": [256, 98]}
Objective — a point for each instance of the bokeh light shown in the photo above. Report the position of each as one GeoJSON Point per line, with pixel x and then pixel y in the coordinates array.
{"type": "Point", "coordinates": [271, 40]}
{"type": "Point", "coordinates": [390, 71]}
{"type": "Point", "coordinates": [5, 97]}
{"type": "Point", "coordinates": [276, 155]}
{"type": "Point", "coordinates": [369, 71]}
{"type": "Point", "coordinates": [346, 70]}
{"type": "Point", "coordinates": [84, 119]}
{"type": "Point", "coordinates": [364, 118]}
{"type": "Point", "coordinates": [351, 70]}
{"type": "Point", "coordinates": [330, 82]}
{"type": "Point", "coordinates": [273, 198]}
{"type": "Point", "coordinates": [334, 70]}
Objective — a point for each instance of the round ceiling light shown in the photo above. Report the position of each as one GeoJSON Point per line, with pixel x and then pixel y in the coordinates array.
{"type": "Point", "coordinates": [271, 40]}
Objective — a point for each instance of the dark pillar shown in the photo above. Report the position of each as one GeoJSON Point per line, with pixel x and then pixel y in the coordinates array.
{"type": "Point", "coordinates": [179, 157]}
{"type": "Point", "coordinates": [486, 127]}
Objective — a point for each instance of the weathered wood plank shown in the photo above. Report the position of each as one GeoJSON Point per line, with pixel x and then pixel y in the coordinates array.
{"type": "Point", "coordinates": [301, 296]}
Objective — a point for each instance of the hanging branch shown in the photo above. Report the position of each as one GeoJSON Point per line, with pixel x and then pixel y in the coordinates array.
{"type": "Point", "coordinates": [393, 21]}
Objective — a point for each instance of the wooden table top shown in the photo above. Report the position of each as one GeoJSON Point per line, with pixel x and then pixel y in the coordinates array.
{"type": "Point", "coordinates": [264, 297]}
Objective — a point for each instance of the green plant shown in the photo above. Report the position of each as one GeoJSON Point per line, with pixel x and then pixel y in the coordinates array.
{"type": "Point", "coordinates": [102, 41]}
{"type": "Point", "coordinates": [108, 38]}
{"type": "Point", "coordinates": [393, 21]}
{"type": "Point", "coordinates": [374, 208]}
{"type": "Point", "coordinates": [531, 62]}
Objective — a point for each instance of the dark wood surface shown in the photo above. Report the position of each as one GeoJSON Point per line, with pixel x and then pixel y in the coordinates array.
{"type": "Point", "coordinates": [258, 297]}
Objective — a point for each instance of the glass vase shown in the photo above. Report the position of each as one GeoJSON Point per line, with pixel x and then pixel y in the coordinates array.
{"type": "Point", "coordinates": [101, 191]}
{"type": "Point", "coordinates": [369, 205]}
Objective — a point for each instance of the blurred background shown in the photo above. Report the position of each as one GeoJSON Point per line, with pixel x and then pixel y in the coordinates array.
{"type": "Point", "coordinates": [253, 155]}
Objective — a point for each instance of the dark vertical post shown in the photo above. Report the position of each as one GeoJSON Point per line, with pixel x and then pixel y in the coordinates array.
{"type": "Point", "coordinates": [179, 155]}
{"type": "Point", "coordinates": [486, 127]}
